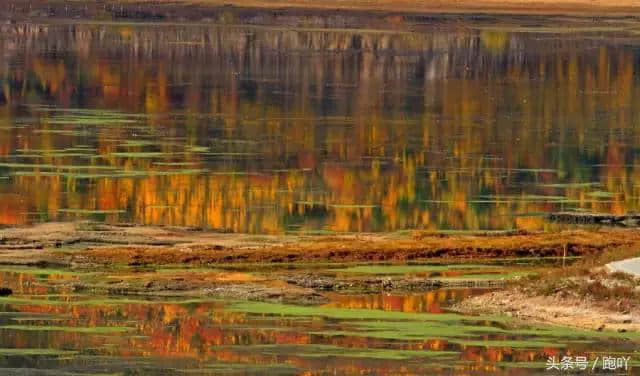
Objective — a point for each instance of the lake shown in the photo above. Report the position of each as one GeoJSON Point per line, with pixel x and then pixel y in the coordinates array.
{"type": "Point", "coordinates": [310, 127]}
{"type": "Point", "coordinates": [264, 129]}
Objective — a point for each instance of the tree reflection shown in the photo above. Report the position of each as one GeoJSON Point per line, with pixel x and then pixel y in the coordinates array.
{"type": "Point", "coordinates": [334, 130]}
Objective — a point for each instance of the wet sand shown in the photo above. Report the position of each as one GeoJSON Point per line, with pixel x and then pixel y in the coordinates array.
{"type": "Point", "coordinates": [554, 309]}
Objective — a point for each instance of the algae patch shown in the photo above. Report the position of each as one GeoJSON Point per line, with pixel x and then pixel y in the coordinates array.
{"type": "Point", "coordinates": [34, 352]}
{"type": "Point", "coordinates": [320, 351]}
{"type": "Point", "coordinates": [406, 269]}
{"type": "Point", "coordinates": [349, 314]}
{"type": "Point", "coordinates": [70, 329]}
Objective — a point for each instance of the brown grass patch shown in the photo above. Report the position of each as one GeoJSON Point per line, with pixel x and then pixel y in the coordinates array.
{"type": "Point", "coordinates": [588, 279]}
{"type": "Point", "coordinates": [369, 248]}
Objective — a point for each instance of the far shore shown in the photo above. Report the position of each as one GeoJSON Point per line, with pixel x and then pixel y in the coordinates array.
{"type": "Point", "coordinates": [444, 6]}
{"type": "Point", "coordinates": [226, 11]}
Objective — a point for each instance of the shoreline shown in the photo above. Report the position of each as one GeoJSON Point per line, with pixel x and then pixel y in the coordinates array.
{"type": "Point", "coordinates": [589, 294]}
{"type": "Point", "coordinates": [564, 7]}
{"type": "Point", "coordinates": [92, 244]}
{"type": "Point", "coordinates": [160, 262]}
{"type": "Point", "coordinates": [553, 309]}
{"type": "Point", "coordinates": [401, 14]}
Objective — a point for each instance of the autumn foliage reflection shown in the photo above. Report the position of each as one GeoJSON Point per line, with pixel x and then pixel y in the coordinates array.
{"type": "Point", "coordinates": [306, 130]}
{"type": "Point", "coordinates": [206, 332]}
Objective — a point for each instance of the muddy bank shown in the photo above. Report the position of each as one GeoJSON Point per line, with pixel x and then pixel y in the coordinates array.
{"type": "Point", "coordinates": [555, 309]}
{"type": "Point", "coordinates": [294, 288]}
{"type": "Point", "coordinates": [85, 244]}
{"type": "Point", "coordinates": [163, 261]}
{"type": "Point", "coordinates": [238, 286]}
{"type": "Point", "coordinates": [369, 284]}
{"type": "Point", "coordinates": [592, 298]}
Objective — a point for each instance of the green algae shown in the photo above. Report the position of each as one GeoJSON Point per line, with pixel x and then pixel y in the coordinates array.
{"type": "Point", "coordinates": [349, 314]}
{"type": "Point", "coordinates": [197, 149]}
{"type": "Point", "coordinates": [570, 185]}
{"type": "Point", "coordinates": [450, 334]}
{"type": "Point", "coordinates": [141, 143]}
{"type": "Point", "coordinates": [151, 173]}
{"type": "Point", "coordinates": [487, 276]}
{"type": "Point", "coordinates": [11, 300]}
{"type": "Point", "coordinates": [523, 197]}
{"type": "Point", "coordinates": [320, 351]}
{"type": "Point", "coordinates": [63, 175]}
{"type": "Point", "coordinates": [246, 368]}
{"type": "Point", "coordinates": [38, 319]}
{"type": "Point", "coordinates": [601, 194]}
{"type": "Point", "coordinates": [532, 364]}
{"type": "Point", "coordinates": [187, 269]}
{"type": "Point", "coordinates": [89, 211]}
{"type": "Point", "coordinates": [56, 167]}
{"type": "Point", "coordinates": [148, 154]}
{"type": "Point", "coordinates": [72, 329]}
{"type": "Point", "coordinates": [230, 154]}
{"type": "Point", "coordinates": [469, 331]}
{"type": "Point", "coordinates": [34, 352]}
{"type": "Point", "coordinates": [311, 203]}
{"type": "Point", "coordinates": [470, 334]}
{"type": "Point", "coordinates": [63, 132]}
{"type": "Point", "coordinates": [352, 206]}
{"type": "Point", "coordinates": [175, 163]}
{"type": "Point", "coordinates": [514, 344]}
{"type": "Point", "coordinates": [573, 333]}
{"type": "Point", "coordinates": [116, 174]}
{"type": "Point", "coordinates": [39, 271]}
{"type": "Point", "coordinates": [406, 269]}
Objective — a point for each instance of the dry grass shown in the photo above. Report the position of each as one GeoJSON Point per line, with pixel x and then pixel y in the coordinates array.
{"type": "Point", "coordinates": [206, 249]}
{"type": "Point", "coordinates": [588, 279]}
{"type": "Point", "coordinates": [139, 245]}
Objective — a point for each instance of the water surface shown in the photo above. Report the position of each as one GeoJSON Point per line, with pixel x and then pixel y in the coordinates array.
{"type": "Point", "coordinates": [271, 130]}
{"type": "Point", "coordinates": [48, 327]}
